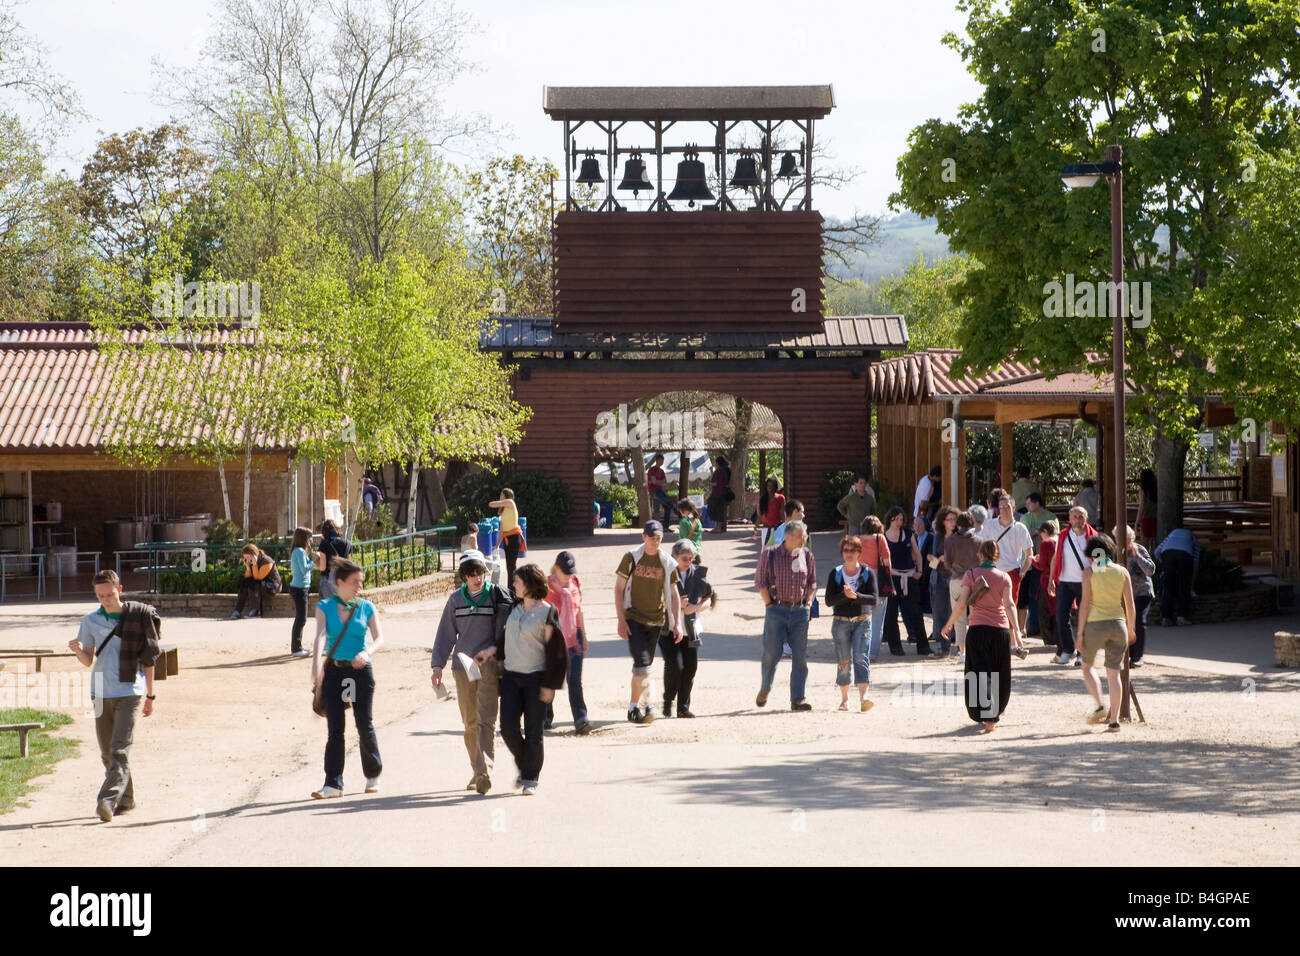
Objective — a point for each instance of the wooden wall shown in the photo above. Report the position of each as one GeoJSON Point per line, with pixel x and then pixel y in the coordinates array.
{"type": "Point", "coordinates": [687, 271]}
{"type": "Point", "coordinates": [1286, 520]}
{"type": "Point", "coordinates": [823, 414]}
{"type": "Point", "coordinates": [909, 443]}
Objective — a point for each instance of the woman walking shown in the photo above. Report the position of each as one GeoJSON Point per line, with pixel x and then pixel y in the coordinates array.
{"type": "Point", "coordinates": [875, 557]}
{"type": "Point", "coordinates": [771, 512]}
{"type": "Point", "coordinates": [300, 561]}
{"type": "Point", "coordinates": [905, 567]}
{"type": "Point", "coordinates": [945, 526]}
{"type": "Point", "coordinates": [682, 654]}
{"type": "Point", "coordinates": [691, 528]}
{"type": "Point", "coordinates": [852, 591]}
{"type": "Point", "coordinates": [961, 552]}
{"type": "Point", "coordinates": [332, 545]}
{"type": "Point", "coordinates": [1106, 623]}
{"type": "Point", "coordinates": [261, 577]}
{"type": "Point", "coordinates": [1141, 566]}
{"type": "Point", "coordinates": [533, 662]}
{"type": "Point", "coordinates": [343, 672]}
{"type": "Point", "coordinates": [512, 536]}
{"type": "Point", "coordinates": [565, 595]}
{"type": "Point", "coordinates": [986, 592]}
{"type": "Point", "coordinates": [720, 493]}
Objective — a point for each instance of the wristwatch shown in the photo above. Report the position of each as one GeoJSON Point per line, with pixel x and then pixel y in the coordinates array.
{"type": "Point", "coordinates": [151, 697]}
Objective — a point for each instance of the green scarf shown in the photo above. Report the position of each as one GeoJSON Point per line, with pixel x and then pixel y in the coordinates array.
{"type": "Point", "coordinates": [987, 564]}
{"type": "Point", "coordinates": [483, 596]}
{"type": "Point", "coordinates": [350, 605]}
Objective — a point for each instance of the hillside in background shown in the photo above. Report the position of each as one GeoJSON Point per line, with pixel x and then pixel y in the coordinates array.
{"type": "Point", "coordinates": [901, 238]}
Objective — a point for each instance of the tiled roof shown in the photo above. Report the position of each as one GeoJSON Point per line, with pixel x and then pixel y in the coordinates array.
{"type": "Point", "coordinates": [849, 333]}
{"type": "Point", "coordinates": [686, 102]}
{"type": "Point", "coordinates": [923, 376]}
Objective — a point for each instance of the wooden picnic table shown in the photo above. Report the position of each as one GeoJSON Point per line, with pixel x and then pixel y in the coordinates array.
{"type": "Point", "coordinates": [23, 730]}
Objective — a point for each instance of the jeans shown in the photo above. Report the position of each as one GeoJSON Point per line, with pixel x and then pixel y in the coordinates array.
{"type": "Point", "coordinates": [680, 663]}
{"type": "Point", "coordinates": [786, 625]}
{"type": "Point", "coordinates": [877, 628]}
{"type": "Point", "coordinates": [478, 712]}
{"type": "Point", "coordinates": [299, 596]}
{"type": "Point", "coordinates": [1067, 593]}
{"type": "Point", "coordinates": [115, 729]}
{"type": "Point", "coordinates": [250, 591]}
{"type": "Point", "coordinates": [851, 639]}
{"type": "Point", "coordinates": [911, 617]}
{"type": "Point", "coordinates": [361, 694]}
{"type": "Point", "coordinates": [1029, 586]}
{"type": "Point", "coordinates": [959, 626]}
{"type": "Point", "coordinates": [520, 700]}
{"type": "Point", "coordinates": [1141, 604]}
{"type": "Point", "coordinates": [1176, 598]}
{"type": "Point", "coordinates": [661, 497]}
{"type": "Point", "coordinates": [941, 609]}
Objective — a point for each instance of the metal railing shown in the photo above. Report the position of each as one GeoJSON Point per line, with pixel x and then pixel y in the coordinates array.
{"type": "Point", "coordinates": [59, 561]}
{"type": "Point", "coordinates": [22, 565]}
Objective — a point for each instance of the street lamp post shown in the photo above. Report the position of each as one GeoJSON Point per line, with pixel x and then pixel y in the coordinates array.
{"type": "Point", "coordinates": [1083, 175]}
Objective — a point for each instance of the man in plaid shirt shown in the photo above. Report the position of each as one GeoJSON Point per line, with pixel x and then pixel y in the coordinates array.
{"type": "Point", "coordinates": [786, 579]}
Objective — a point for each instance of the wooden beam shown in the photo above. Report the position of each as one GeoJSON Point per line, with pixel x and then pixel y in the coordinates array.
{"type": "Point", "coordinates": [1216, 416]}
{"type": "Point", "coordinates": [89, 461]}
{"type": "Point", "coordinates": [1025, 411]}
{"type": "Point", "coordinates": [1007, 462]}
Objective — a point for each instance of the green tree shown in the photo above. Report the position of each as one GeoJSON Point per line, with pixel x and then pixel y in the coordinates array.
{"type": "Point", "coordinates": [510, 208]}
{"type": "Point", "coordinates": [1191, 92]}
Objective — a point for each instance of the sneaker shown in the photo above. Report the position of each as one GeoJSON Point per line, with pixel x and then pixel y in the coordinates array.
{"type": "Point", "coordinates": [250, 614]}
{"type": "Point", "coordinates": [482, 783]}
{"type": "Point", "coordinates": [124, 806]}
{"type": "Point", "coordinates": [326, 792]}
{"type": "Point", "coordinates": [785, 651]}
{"type": "Point", "coordinates": [801, 705]}
{"type": "Point", "coordinates": [761, 699]}
{"type": "Point", "coordinates": [582, 729]}
{"type": "Point", "coordinates": [1134, 663]}
{"type": "Point", "coordinates": [473, 782]}
{"type": "Point", "coordinates": [1021, 653]}
{"type": "Point", "coordinates": [668, 709]}
{"type": "Point", "coordinates": [957, 656]}
{"type": "Point", "coordinates": [635, 716]}
{"type": "Point", "coordinates": [1078, 660]}
{"type": "Point", "coordinates": [234, 616]}
{"type": "Point", "coordinates": [530, 787]}
{"type": "Point", "coordinates": [104, 810]}
{"type": "Point", "coordinates": [1112, 727]}
{"type": "Point", "coordinates": [1182, 621]}
{"type": "Point", "coordinates": [1061, 658]}
{"type": "Point", "coordinates": [1166, 622]}
{"type": "Point", "coordinates": [649, 716]}
{"type": "Point", "coordinates": [302, 652]}
{"type": "Point", "coordinates": [372, 784]}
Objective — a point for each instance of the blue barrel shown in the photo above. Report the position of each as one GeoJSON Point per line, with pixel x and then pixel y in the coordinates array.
{"type": "Point", "coordinates": [485, 537]}
{"type": "Point", "coordinates": [607, 514]}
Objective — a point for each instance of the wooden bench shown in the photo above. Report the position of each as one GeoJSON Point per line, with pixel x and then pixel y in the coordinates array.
{"type": "Point", "coordinates": [23, 731]}
{"type": "Point", "coordinates": [37, 656]}
{"type": "Point", "coordinates": [167, 665]}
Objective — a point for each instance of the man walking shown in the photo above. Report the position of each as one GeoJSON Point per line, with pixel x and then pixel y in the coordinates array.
{"type": "Point", "coordinates": [1065, 583]}
{"type": "Point", "coordinates": [647, 602]}
{"type": "Point", "coordinates": [927, 494]}
{"type": "Point", "coordinates": [1015, 546]}
{"type": "Point", "coordinates": [120, 642]}
{"type": "Point", "coordinates": [786, 578]}
{"type": "Point", "coordinates": [1034, 518]}
{"type": "Point", "coordinates": [858, 503]}
{"type": "Point", "coordinates": [656, 481]}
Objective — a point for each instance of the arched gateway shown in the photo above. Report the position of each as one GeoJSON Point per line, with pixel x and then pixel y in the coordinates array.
{"type": "Point", "coordinates": [715, 285]}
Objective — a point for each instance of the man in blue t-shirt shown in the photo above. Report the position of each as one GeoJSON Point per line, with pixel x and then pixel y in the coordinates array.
{"type": "Point", "coordinates": [114, 640]}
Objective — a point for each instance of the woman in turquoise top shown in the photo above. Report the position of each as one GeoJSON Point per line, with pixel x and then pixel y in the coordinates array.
{"type": "Point", "coordinates": [341, 663]}
{"type": "Point", "coordinates": [301, 562]}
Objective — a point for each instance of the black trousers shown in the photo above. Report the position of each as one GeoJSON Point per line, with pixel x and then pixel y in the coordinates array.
{"type": "Point", "coordinates": [1176, 598]}
{"type": "Point", "coordinates": [1142, 604]}
{"type": "Point", "coordinates": [912, 619]}
{"type": "Point", "coordinates": [520, 700]}
{"type": "Point", "coordinates": [345, 685]}
{"type": "Point", "coordinates": [680, 663]}
{"type": "Point", "coordinates": [299, 596]}
{"type": "Point", "coordinates": [510, 545]}
{"type": "Point", "coordinates": [988, 671]}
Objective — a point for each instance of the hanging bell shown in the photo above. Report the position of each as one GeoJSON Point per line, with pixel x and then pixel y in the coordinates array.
{"type": "Point", "coordinates": [789, 167]}
{"type": "Point", "coordinates": [590, 172]}
{"type": "Point", "coordinates": [746, 176]}
{"type": "Point", "coordinates": [691, 184]}
{"type": "Point", "coordinates": [634, 177]}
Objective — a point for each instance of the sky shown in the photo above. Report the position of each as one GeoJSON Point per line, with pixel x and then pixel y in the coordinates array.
{"type": "Point", "coordinates": [886, 62]}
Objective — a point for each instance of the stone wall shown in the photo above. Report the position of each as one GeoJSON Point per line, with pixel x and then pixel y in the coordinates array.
{"type": "Point", "coordinates": [281, 605]}
{"type": "Point", "coordinates": [1253, 600]}
{"type": "Point", "coordinates": [1286, 649]}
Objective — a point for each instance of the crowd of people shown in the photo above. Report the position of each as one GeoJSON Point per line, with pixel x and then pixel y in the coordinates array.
{"type": "Point", "coordinates": [988, 578]}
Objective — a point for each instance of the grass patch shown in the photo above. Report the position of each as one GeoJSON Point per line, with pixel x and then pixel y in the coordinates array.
{"type": "Point", "coordinates": [43, 752]}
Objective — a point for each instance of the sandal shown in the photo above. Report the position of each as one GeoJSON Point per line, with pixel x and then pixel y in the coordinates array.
{"type": "Point", "coordinates": [1098, 716]}
{"type": "Point", "coordinates": [867, 705]}
{"type": "Point", "coordinates": [844, 705]}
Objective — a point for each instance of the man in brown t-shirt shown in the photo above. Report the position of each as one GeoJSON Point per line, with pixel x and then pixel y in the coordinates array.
{"type": "Point", "coordinates": [647, 602]}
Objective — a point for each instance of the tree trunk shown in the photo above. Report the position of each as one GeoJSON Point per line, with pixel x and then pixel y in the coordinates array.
{"type": "Point", "coordinates": [411, 495]}
{"type": "Point", "coordinates": [225, 488]}
{"type": "Point", "coordinates": [1170, 465]}
{"type": "Point", "coordinates": [248, 480]}
{"type": "Point", "coordinates": [739, 457]}
{"type": "Point", "coordinates": [642, 496]}
{"type": "Point", "coordinates": [436, 493]}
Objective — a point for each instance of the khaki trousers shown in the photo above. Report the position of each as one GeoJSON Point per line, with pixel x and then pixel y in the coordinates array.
{"type": "Point", "coordinates": [478, 701]}
{"type": "Point", "coordinates": [115, 728]}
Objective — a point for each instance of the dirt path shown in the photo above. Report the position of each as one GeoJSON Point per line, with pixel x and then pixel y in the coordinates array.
{"type": "Point", "coordinates": [225, 765]}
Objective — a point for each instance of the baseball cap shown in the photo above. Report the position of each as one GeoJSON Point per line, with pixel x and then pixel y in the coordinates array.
{"type": "Point", "coordinates": [566, 563]}
{"type": "Point", "coordinates": [653, 529]}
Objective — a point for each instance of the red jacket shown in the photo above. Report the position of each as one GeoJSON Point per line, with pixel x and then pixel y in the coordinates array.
{"type": "Point", "coordinates": [1062, 547]}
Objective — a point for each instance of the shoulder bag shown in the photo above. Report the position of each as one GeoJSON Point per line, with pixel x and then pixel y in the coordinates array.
{"type": "Point", "coordinates": [318, 692]}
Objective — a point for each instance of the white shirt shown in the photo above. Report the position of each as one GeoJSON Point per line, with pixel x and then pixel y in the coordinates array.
{"type": "Point", "coordinates": [924, 488]}
{"type": "Point", "coordinates": [1015, 542]}
{"type": "Point", "coordinates": [1070, 570]}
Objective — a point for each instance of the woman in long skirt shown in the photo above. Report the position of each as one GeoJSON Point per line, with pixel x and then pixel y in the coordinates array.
{"type": "Point", "coordinates": [986, 591]}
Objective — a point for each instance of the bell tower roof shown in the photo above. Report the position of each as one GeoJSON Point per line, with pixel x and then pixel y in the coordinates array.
{"type": "Point", "coordinates": [687, 102]}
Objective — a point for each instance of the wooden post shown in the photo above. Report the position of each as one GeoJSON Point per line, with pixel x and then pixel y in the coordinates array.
{"type": "Point", "coordinates": [762, 469]}
{"type": "Point", "coordinates": [684, 475]}
{"type": "Point", "coordinates": [1007, 461]}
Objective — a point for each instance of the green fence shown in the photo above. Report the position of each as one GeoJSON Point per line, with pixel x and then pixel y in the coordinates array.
{"type": "Point", "coordinates": [195, 567]}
